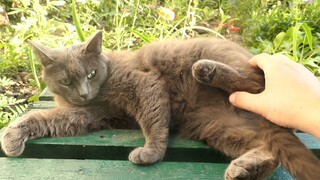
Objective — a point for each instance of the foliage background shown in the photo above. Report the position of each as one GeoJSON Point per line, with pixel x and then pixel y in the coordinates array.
{"type": "Point", "coordinates": [272, 26]}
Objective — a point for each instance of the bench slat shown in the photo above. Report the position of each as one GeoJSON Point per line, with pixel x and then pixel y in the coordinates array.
{"type": "Point", "coordinates": [106, 169]}
{"type": "Point", "coordinates": [117, 144]}
{"type": "Point", "coordinates": [46, 95]}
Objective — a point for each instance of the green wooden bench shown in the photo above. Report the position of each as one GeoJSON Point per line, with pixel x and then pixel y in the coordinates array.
{"type": "Point", "coordinates": [103, 155]}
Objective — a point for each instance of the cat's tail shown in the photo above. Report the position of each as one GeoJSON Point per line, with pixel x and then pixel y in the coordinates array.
{"type": "Point", "coordinates": [294, 156]}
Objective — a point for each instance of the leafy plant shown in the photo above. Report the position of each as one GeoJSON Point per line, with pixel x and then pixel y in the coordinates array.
{"type": "Point", "coordinates": [266, 19]}
{"type": "Point", "coordinates": [10, 108]}
{"type": "Point", "coordinates": [129, 24]}
{"type": "Point", "coordinates": [288, 27]}
{"type": "Point", "coordinates": [298, 44]}
{"type": "Point", "coordinates": [4, 81]}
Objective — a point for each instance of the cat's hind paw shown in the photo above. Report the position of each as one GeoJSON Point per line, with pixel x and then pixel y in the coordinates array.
{"type": "Point", "coordinates": [203, 71]}
{"type": "Point", "coordinates": [145, 156]}
{"type": "Point", "coordinates": [241, 170]}
{"type": "Point", "coordinates": [253, 165]}
{"type": "Point", "coordinates": [13, 141]}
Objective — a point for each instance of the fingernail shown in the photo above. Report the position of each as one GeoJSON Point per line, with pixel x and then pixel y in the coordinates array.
{"type": "Point", "coordinates": [232, 98]}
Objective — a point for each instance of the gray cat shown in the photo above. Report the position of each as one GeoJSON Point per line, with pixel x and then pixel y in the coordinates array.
{"type": "Point", "coordinates": [181, 85]}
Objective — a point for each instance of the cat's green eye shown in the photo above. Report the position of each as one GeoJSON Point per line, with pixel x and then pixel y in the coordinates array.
{"type": "Point", "coordinates": [91, 75]}
{"type": "Point", "coordinates": [65, 82]}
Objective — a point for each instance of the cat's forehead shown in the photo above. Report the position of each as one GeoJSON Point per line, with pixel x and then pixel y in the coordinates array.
{"type": "Point", "coordinates": [68, 68]}
{"type": "Point", "coordinates": [74, 50]}
{"type": "Point", "coordinates": [69, 55]}
{"type": "Point", "coordinates": [69, 62]}
{"type": "Point", "coordinates": [77, 47]}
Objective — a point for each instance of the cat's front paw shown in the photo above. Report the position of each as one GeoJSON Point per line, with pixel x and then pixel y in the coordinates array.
{"type": "Point", "coordinates": [13, 140]}
{"type": "Point", "coordinates": [145, 156]}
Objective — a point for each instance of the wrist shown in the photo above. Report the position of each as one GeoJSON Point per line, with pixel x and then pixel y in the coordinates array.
{"type": "Point", "coordinates": [314, 126]}
{"type": "Point", "coordinates": [316, 131]}
{"type": "Point", "coordinates": [310, 121]}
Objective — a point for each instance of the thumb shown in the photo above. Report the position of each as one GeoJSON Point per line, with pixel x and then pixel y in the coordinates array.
{"type": "Point", "coordinates": [245, 100]}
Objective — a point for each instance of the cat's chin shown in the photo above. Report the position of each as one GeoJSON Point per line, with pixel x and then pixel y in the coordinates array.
{"type": "Point", "coordinates": [79, 102]}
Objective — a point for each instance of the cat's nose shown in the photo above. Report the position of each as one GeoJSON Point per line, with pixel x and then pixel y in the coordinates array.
{"type": "Point", "coordinates": [84, 95]}
{"type": "Point", "coordinates": [83, 90]}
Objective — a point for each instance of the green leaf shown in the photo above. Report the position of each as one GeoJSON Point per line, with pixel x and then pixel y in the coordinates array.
{"type": "Point", "coordinates": [277, 42]}
{"type": "Point", "coordinates": [200, 28]}
{"type": "Point", "coordinates": [266, 47]}
{"type": "Point", "coordinates": [4, 81]}
{"type": "Point", "coordinates": [145, 38]}
{"type": "Point", "coordinates": [33, 68]}
{"type": "Point", "coordinates": [310, 63]}
{"type": "Point", "coordinates": [77, 22]}
{"type": "Point", "coordinates": [295, 39]}
{"type": "Point", "coordinates": [308, 32]}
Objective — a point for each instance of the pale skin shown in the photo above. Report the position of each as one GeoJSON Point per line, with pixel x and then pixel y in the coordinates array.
{"type": "Point", "coordinates": [291, 97]}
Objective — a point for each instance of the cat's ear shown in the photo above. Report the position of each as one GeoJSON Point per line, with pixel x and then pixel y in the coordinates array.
{"type": "Point", "coordinates": [94, 45]}
{"type": "Point", "coordinates": [42, 52]}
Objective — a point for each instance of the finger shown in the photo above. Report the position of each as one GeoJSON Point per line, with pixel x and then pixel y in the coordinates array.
{"type": "Point", "coordinates": [246, 101]}
{"type": "Point", "coordinates": [260, 60]}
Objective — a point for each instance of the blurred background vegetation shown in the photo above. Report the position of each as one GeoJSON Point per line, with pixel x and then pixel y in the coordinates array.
{"type": "Point", "coordinates": [289, 27]}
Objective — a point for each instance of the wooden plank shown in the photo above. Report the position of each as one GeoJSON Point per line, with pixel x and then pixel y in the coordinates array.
{"type": "Point", "coordinates": [104, 169]}
{"type": "Point", "coordinates": [41, 105]}
{"type": "Point", "coordinates": [16, 168]}
{"type": "Point", "coordinates": [310, 142]}
{"type": "Point", "coordinates": [117, 144]}
{"type": "Point", "coordinates": [46, 95]}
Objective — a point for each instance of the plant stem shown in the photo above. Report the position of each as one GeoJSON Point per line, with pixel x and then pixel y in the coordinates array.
{"type": "Point", "coordinates": [33, 69]}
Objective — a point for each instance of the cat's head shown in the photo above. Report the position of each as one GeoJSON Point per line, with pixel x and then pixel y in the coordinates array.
{"type": "Point", "coordinates": [75, 72]}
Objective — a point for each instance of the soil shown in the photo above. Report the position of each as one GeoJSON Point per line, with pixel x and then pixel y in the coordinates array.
{"type": "Point", "coordinates": [22, 89]}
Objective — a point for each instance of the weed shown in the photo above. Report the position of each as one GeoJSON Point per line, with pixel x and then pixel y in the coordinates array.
{"type": "Point", "coordinates": [10, 108]}
{"type": "Point", "coordinates": [298, 44]}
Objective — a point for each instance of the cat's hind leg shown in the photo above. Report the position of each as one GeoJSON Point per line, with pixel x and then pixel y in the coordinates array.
{"type": "Point", "coordinates": [225, 77]}
{"type": "Point", "coordinates": [233, 132]}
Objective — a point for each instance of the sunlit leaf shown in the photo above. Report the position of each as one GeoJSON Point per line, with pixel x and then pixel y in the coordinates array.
{"type": "Point", "coordinates": [77, 22]}
{"type": "Point", "coordinates": [278, 40]}
{"type": "Point", "coordinates": [58, 3]}
{"type": "Point", "coordinates": [266, 47]}
{"type": "Point", "coordinates": [307, 30]}
{"type": "Point", "coordinates": [145, 38]}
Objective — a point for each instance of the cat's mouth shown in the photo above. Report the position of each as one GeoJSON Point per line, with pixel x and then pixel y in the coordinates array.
{"type": "Point", "coordinates": [80, 100]}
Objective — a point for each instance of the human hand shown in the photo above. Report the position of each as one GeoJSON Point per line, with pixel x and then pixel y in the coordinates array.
{"type": "Point", "coordinates": [291, 97]}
